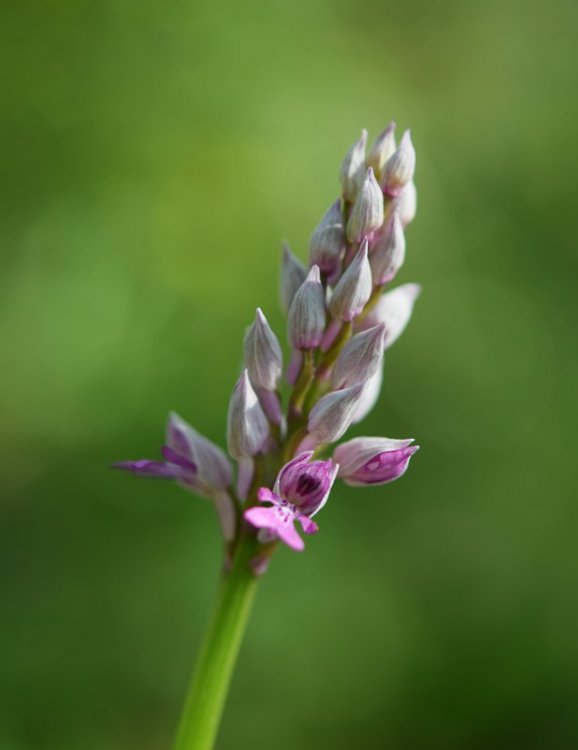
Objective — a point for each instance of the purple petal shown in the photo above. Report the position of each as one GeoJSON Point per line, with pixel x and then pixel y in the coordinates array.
{"type": "Point", "coordinates": [153, 469]}
{"type": "Point", "coordinates": [306, 484]}
{"type": "Point", "coordinates": [266, 496]}
{"type": "Point", "coordinates": [177, 459]}
{"type": "Point", "coordinates": [308, 526]}
{"type": "Point", "coordinates": [288, 534]}
{"type": "Point", "coordinates": [279, 520]}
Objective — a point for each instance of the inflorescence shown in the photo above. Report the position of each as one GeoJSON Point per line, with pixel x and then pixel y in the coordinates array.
{"type": "Point", "coordinates": [340, 322]}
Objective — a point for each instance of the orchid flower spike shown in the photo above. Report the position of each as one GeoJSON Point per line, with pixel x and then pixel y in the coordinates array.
{"type": "Point", "coordinates": [300, 491]}
{"type": "Point", "coordinates": [378, 460]}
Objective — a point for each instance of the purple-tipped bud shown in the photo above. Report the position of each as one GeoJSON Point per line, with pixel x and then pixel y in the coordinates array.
{"type": "Point", "coordinates": [332, 415]}
{"type": "Point", "coordinates": [407, 203]}
{"type": "Point", "coordinates": [399, 168]}
{"type": "Point", "coordinates": [377, 460]}
{"type": "Point", "coordinates": [263, 357]}
{"type": "Point", "coordinates": [394, 309]}
{"type": "Point", "coordinates": [213, 466]}
{"type": "Point", "coordinates": [328, 243]}
{"type": "Point", "coordinates": [359, 359]}
{"type": "Point", "coordinates": [369, 396]}
{"type": "Point", "coordinates": [293, 274]}
{"type": "Point", "coordinates": [353, 168]}
{"type": "Point", "coordinates": [306, 484]}
{"type": "Point", "coordinates": [353, 288]}
{"type": "Point", "coordinates": [307, 313]}
{"type": "Point", "coordinates": [383, 147]}
{"type": "Point", "coordinates": [247, 427]}
{"type": "Point", "coordinates": [367, 213]}
{"type": "Point", "coordinates": [388, 254]}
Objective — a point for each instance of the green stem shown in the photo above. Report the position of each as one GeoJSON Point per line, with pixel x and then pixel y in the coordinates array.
{"type": "Point", "coordinates": [206, 698]}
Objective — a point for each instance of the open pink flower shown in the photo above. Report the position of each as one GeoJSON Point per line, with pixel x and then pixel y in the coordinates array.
{"type": "Point", "coordinates": [301, 490]}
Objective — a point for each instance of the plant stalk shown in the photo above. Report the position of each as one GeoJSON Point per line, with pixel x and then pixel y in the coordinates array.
{"type": "Point", "coordinates": [205, 701]}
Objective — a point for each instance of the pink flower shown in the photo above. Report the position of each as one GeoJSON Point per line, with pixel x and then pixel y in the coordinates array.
{"type": "Point", "coordinates": [367, 460]}
{"type": "Point", "coordinates": [301, 490]}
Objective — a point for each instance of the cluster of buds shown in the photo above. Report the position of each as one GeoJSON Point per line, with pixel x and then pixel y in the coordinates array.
{"type": "Point", "coordinates": [341, 319]}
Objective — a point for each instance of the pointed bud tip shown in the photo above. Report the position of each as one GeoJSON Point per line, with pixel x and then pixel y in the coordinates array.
{"type": "Point", "coordinates": [314, 274]}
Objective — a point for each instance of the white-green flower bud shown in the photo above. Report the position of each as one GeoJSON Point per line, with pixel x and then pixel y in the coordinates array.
{"type": "Point", "coordinates": [353, 168]}
{"type": "Point", "coordinates": [359, 359]}
{"type": "Point", "coordinates": [328, 243]}
{"type": "Point", "coordinates": [407, 203]}
{"type": "Point", "coordinates": [383, 147]}
{"type": "Point", "coordinates": [293, 274]}
{"type": "Point", "coordinates": [367, 213]}
{"type": "Point", "coordinates": [388, 255]}
{"type": "Point", "coordinates": [247, 426]}
{"type": "Point", "coordinates": [399, 168]}
{"type": "Point", "coordinates": [353, 288]}
{"type": "Point", "coordinates": [394, 309]}
{"type": "Point", "coordinates": [263, 357]}
{"type": "Point", "coordinates": [306, 322]}
{"type": "Point", "coordinates": [332, 415]}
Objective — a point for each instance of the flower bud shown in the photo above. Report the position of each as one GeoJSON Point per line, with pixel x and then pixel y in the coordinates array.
{"type": "Point", "coordinates": [367, 213]}
{"type": "Point", "coordinates": [359, 359]}
{"type": "Point", "coordinates": [353, 168]}
{"type": "Point", "coordinates": [407, 203]}
{"type": "Point", "coordinates": [306, 484]}
{"type": "Point", "coordinates": [213, 466]}
{"type": "Point", "coordinates": [263, 357]}
{"type": "Point", "coordinates": [377, 460]}
{"type": "Point", "coordinates": [332, 414]}
{"type": "Point", "coordinates": [388, 254]}
{"type": "Point", "coordinates": [399, 168]}
{"type": "Point", "coordinates": [328, 243]}
{"type": "Point", "coordinates": [369, 396]}
{"type": "Point", "coordinates": [293, 274]}
{"type": "Point", "coordinates": [383, 147]}
{"type": "Point", "coordinates": [247, 427]}
{"type": "Point", "coordinates": [394, 309]}
{"type": "Point", "coordinates": [307, 313]}
{"type": "Point", "coordinates": [353, 288]}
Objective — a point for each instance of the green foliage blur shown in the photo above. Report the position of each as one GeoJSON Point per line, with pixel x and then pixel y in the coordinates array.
{"type": "Point", "coordinates": [154, 155]}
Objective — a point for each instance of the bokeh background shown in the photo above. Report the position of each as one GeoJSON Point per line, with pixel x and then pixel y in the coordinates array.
{"type": "Point", "coordinates": [154, 155]}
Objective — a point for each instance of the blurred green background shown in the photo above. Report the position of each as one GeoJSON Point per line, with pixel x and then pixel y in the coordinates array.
{"type": "Point", "coordinates": [154, 156]}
